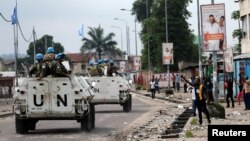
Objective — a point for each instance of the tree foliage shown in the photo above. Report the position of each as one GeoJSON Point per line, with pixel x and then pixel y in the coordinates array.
{"type": "Point", "coordinates": [101, 43]}
{"type": "Point", "coordinates": [154, 31]}
{"type": "Point", "coordinates": [237, 33]}
{"type": "Point", "coordinates": [41, 47]}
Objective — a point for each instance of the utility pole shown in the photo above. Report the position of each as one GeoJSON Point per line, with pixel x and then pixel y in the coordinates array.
{"type": "Point", "coordinates": [34, 44]}
{"type": "Point", "coordinates": [199, 38]}
{"type": "Point", "coordinates": [215, 88]}
{"type": "Point", "coordinates": [166, 18]}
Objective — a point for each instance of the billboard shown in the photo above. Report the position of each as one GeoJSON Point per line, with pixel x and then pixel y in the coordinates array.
{"type": "Point", "coordinates": [167, 54]}
{"type": "Point", "coordinates": [213, 27]}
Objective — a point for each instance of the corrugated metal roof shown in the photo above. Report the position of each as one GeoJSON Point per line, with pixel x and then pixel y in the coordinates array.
{"type": "Point", "coordinates": [7, 74]}
{"type": "Point", "coordinates": [242, 56]}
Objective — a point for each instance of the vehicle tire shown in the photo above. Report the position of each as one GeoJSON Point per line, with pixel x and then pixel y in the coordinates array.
{"type": "Point", "coordinates": [32, 124]}
{"type": "Point", "coordinates": [86, 123]}
{"type": "Point", "coordinates": [21, 126]}
{"type": "Point", "coordinates": [127, 104]}
{"type": "Point", "coordinates": [92, 106]}
{"type": "Point", "coordinates": [130, 102]}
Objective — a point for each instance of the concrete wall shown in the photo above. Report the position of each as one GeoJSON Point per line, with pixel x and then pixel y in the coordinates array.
{"type": "Point", "coordinates": [245, 11]}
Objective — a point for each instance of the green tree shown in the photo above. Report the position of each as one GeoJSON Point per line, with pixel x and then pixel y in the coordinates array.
{"type": "Point", "coordinates": [154, 29]}
{"type": "Point", "coordinates": [237, 33]}
{"type": "Point", "coordinates": [40, 46]}
{"type": "Point", "coordinates": [98, 41]}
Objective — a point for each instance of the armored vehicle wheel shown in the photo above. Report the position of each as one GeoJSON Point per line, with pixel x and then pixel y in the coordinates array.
{"type": "Point", "coordinates": [21, 126]}
{"type": "Point", "coordinates": [127, 106]}
{"type": "Point", "coordinates": [86, 122]}
{"type": "Point", "coordinates": [92, 107]}
{"type": "Point", "coordinates": [130, 102]}
{"type": "Point", "coordinates": [32, 124]}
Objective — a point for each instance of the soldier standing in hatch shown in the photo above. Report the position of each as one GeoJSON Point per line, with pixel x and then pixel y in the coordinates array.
{"type": "Point", "coordinates": [58, 69]}
{"type": "Point", "coordinates": [112, 68]}
{"type": "Point", "coordinates": [50, 55]}
{"type": "Point", "coordinates": [39, 69]}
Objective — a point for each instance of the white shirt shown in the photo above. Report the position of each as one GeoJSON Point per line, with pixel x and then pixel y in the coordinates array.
{"type": "Point", "coordinates": [212, 29]}
{"type": "Point", "coordinates": [152, 85]}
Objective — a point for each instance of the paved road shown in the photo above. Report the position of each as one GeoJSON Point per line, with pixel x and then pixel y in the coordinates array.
{"type": "Point", "coordinates": [109, 120]}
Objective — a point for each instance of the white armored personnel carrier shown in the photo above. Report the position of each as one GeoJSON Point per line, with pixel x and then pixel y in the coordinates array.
{"type": "Point", "coordinates": [112, 90]}
{"type": "Point", "coordinates": [53, 98]}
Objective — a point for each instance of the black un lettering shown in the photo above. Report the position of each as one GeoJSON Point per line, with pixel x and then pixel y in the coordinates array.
{"type": "Point", "coordinates": [60, 99]}
{"type": "Point", "coordinates": [35, 102]}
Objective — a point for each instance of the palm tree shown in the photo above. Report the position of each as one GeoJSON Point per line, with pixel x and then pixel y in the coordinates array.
{"type": "Point", "coordinates": [237, 33]}
{"type": "Point", "coordinates": [98, 41]}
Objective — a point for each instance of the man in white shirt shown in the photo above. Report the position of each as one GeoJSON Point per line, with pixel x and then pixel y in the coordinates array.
{"type": "Point", "coordinates": [152, 87]}
{"type": "Point", "coordinates": [212, 28]}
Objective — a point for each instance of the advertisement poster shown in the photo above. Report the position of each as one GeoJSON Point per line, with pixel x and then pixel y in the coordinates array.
{"type": "Point", "coordinates": [213, 27]}
{"type": "Point", "coordinates": [167, 54]}
{"type": "Point", "coordinates": [137, 63]}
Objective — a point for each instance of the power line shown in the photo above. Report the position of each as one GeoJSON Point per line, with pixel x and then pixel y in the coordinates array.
{"type": "Point", "coordinates": [4, 18]}
{"type": "Point", "coordinates": [23, 34]}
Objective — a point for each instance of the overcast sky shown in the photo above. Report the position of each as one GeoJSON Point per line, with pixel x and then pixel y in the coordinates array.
{"type": "Point", "coordinates": [63, 18]}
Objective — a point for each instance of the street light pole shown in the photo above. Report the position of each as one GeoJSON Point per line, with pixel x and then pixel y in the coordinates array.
{"type": "Point", "coordinates": [166, 18]}
{"type": "Point", "coordinates": [121, 36]}
{"type": "Point", "coordinates": [215, 88]}
{"type": "Point", "coordinates": [127, 35]}
{"type": "Point", "coordinates": [199, 38]}
{"type": "Point", "coordinates": [123, 9]}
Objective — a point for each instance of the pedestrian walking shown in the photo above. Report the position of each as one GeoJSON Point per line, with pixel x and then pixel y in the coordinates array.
{"type": "Point", "coordinates": [173, 79]}
{"type": "Point", "coordinates": [152, 87]}
{"type": "Point", "coordinates": [246, 90]}
{"type": "Point", "coordinates": [177, 81]}
{"type": "Point", "coordinates": [230, 92]}
{"type": "Point", "coordinates": [157, 85]}
{"type": "Point", "coordinates": [241, 83]}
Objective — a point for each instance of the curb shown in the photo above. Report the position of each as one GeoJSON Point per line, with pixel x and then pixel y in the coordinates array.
{"type": "Point", "coordinates": [6, 114]}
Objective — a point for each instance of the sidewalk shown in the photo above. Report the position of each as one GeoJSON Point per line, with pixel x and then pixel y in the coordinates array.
{"type": "Point", "coordinates": [6, 107]}
{"type": "Point", "coordinates": [234, 116]}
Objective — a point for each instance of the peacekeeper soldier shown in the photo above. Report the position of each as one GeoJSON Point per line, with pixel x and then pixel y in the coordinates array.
{"type": "Point", "coordinates": [57, 68]}
{"type": "Point", "coordinates": [49, 57]}
{"type": "Point", "coordinates": [100, 67]}
{"type": "Point", "coordinates": [39, 69]}
{"type": "Point", "coordinates": [105, 66]}
{"type": "Point", "coordinates": [92, 69]}
{"type": "Point", "coordinates": [112, 68]}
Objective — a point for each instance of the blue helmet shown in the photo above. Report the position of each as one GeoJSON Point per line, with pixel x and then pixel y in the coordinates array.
{"type": "Point", "coordinates": [39, 56]}
{"type": "Point", "coordinates": [50, 50]}
{"type": "Point", "coordinates": [91, 62]}
{"type": "Point", "coordinates": [106, 60]}
{"type": "Point", "coordinates": [100, 61]}
{"type": "Point", "coordinates": [60, 56]}
{"type": "Point", "coordinates": [111, 61]}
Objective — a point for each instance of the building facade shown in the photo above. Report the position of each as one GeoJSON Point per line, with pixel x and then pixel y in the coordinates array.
{"type": "Point", "coordinates": [245, 18]}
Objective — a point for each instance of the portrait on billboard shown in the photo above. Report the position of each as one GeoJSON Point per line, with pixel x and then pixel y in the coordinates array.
{"type": "Point", "coordinates": [167, 53]}
{"type": "Point", "coordinates": [213, 27]}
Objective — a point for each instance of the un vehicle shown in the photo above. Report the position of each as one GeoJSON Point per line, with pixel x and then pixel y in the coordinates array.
{"type": "Point", "coordinates": [53, 98]}
{"type": "Point", "coordinates": [112, 90]}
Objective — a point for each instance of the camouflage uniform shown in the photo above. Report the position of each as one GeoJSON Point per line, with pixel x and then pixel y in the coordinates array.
{"type": "Point", "coordinates": [100, 69]}
{"type": "Point", "coordinates": [58, 69]}
{"type": "Point", "coordinates": [92, 70]}
{"type": "Point", "coordinates": [112, 69]}
{"type": "Point", "coordinates": [39, 69]}
{"type": "Point", "coordinates": [49, 57]}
